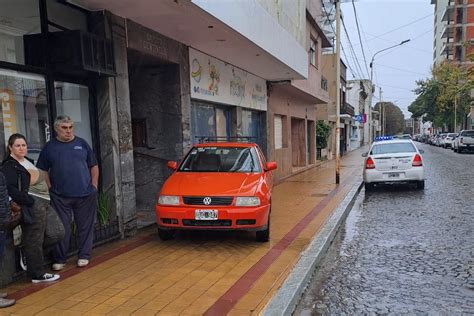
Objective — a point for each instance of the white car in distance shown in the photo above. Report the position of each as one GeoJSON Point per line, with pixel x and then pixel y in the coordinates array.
{"type": "Point", "coordinates": [393, 161]}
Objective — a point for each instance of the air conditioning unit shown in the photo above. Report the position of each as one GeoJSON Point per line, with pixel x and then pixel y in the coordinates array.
{"type": "Point", "coordinates": [71, 52]}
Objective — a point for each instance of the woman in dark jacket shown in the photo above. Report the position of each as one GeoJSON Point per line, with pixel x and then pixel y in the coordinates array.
{"type": "Point", "coordinates": [4, 218]}
{"type": "Point", "coordinates": [27, 187]}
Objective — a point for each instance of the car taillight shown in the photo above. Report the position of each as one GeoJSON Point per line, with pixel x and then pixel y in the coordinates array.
{"type": "Point", "coordinates": [369, 164]}
{"type": "Point", "coordinates": [417, 161]}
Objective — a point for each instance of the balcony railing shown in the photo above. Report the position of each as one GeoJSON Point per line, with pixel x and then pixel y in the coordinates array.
{"type": "Point", "coordinates": [346, 108]}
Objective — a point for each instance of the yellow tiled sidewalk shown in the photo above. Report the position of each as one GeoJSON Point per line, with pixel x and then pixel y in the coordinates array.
{"type": "Point", "coordinates": [192, 273]}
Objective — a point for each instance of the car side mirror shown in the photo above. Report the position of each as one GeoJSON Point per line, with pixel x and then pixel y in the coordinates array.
{"type": "Point", "coordinates": [421, 151]}
{"type": "Point", "coordinates": [271, 166]}
{"type": "Point", "coordinates": [365, 154]}
{"type": "Point", "coordinates": [173, 165]}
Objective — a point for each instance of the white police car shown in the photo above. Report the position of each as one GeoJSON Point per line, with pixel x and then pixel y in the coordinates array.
{"type": "Point", "coordinates": [393, 161]}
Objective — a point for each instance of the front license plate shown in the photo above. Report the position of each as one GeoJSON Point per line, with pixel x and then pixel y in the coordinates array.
{"type": "Point", "coordinates": [206, 214]}
{"type": "Point", "coordinates": [394, 175]}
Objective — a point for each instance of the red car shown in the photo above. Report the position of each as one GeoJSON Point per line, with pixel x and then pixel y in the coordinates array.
{"type": "Point", "coordinates": [218, 186]}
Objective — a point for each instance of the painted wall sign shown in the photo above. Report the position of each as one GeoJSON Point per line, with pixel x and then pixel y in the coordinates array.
{"type": "Point", "coordinates": [214, 80]}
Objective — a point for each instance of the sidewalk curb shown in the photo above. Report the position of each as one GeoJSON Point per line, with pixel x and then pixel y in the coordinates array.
{"type": "Point", "coordinates": [288, 295]}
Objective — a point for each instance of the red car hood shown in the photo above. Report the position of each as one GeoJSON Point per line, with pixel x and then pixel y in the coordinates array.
{"type": "Point", "coordinates": [211, 183]}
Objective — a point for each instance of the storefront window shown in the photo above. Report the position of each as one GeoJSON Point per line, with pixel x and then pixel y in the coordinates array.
{"type": "Point", "coordinates": [73, 100]}
{"type": "Point", "coordinates": [251, 125]}
{"type": "Point", "coordinates": [17, 18]}
{"type": "Point", "coordinates": [202, 122]}
{"type": "Point", "coordinates": [25, 108]}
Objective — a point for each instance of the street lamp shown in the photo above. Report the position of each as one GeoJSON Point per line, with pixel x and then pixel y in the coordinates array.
{"type": "Point", "coordinates": [371, 78]}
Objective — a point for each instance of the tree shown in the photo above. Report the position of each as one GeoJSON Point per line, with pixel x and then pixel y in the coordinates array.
{"type": "Point", "coordinates": [425, 104]}
{"type": "Point", "coordinates": [453, 98]}
{"type": "Point", "coordinates": [322, 133]}
{"type": "Point", "coordinates": [443, 94]}
{"type": "Point", "coordinates": [394, 118]}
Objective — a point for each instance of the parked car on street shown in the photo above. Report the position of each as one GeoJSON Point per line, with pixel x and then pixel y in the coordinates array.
{"type": "Point", "coordinates": [393, 161]}
{"type": "Point", "coordinates": [448, 141]}
{"type": "Point", "coordinates": [464, 141]}
{"type": "Point", "coordinates": [217, 186]}
{"type": "Point", "coordinates": [440, 140]}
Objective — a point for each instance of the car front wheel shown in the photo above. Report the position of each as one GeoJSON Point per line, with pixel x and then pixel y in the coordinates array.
{"type": "Point", "coordinates": [264, 235]}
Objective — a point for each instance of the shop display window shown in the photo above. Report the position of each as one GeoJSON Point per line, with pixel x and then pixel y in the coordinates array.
{"type": "Point", "coordinates": [25, 108]}
{"type": "Point", "coordinates": [73, 100]}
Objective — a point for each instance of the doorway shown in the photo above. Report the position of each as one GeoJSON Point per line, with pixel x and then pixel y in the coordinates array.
{"type": "Point", "coordinates": [298, 143]}
{"type": "Point", "coordinates": [155, 107]}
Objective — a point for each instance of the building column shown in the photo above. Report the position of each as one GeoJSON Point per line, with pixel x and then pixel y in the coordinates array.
{"type": "Point", "coordinates": [115, 126]}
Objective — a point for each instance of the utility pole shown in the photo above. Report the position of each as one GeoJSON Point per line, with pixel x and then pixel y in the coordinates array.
{"type": "Point", "coordinates": [455, 114]}
{"type": "Point", "coordinates": [382, 109]}
{"type": "Point", "coordinates": [338, 89]}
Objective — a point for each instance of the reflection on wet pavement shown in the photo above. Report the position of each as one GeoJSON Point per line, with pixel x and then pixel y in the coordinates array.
{"type": "Point", "coordinates": [403, 250]}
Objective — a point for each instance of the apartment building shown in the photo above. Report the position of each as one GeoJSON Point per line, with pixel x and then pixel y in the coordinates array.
{"type": "Point", "coordinates": [454, 30]}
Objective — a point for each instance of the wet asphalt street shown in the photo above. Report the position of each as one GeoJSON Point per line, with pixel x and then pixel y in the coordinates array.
{"type": "Point", "coordinates": [404, 251]}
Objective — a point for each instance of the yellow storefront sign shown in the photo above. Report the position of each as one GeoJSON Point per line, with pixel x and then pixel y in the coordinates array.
{"type": "Point", "coordinates": [8, 110]}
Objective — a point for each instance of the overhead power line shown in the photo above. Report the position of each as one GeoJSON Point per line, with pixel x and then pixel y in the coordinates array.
{"type": "Point", "coordinates": [400, 69]}
{"type": "Point", "coordinates": [360, 38]}
{"type": "Point", "coordinates": [404, 25]}
{"type": "Point", "coordinates": [352, 51]}
{"type": "Point", "coordinates": [343, 50]}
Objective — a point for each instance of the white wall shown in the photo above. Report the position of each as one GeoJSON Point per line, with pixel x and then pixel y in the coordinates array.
{"type": "Point", "coordinates": [252, 20]}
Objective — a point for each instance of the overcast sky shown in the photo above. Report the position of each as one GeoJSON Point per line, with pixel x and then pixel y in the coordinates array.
{"type": "Point", "coordinates": [384, 23]}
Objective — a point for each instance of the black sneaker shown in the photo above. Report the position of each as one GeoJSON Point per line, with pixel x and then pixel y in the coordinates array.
{"type": "Point", "coordinates": [47, 277]}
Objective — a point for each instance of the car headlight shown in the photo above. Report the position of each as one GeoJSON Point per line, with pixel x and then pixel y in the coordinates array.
{"type": "Point", "coordinates": [247, 201]}
{"type": "Point", "coordinates": [168, 200]}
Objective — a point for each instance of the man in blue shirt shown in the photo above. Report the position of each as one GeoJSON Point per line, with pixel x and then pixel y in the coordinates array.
{"type": "Point", "coordinates": [72, 175]}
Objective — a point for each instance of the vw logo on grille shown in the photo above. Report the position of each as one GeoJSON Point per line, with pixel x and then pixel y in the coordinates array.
{"type": "Point", "coordinates": [207, 200]}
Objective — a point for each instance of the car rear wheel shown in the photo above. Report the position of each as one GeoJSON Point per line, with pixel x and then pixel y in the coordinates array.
{"type": "Point", "coordinates": [368, 186]}
{"type": "Point", "coordinates": [420, 185]}
{"type": "Point", "coordinates": [166, 234]}
{"type": "Point", "coordinates": [263, 235]}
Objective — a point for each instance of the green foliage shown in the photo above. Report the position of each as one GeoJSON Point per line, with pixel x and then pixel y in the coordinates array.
{"type": "Point", "coordinates": [394, 118]}
{"type": "Point", "coordinates": [447, 91]}
{"type": "Point", "coordinates": [103, 208]}
{"type": "Point", "coordinates": [323, 131]}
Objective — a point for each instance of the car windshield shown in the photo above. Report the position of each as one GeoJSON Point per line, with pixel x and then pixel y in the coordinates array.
{"type": "Point", "coordinates": [468, 133]}
{"type": "Point", "coordinates": [393, 148]}
{"type": "Point", "coordinates": [221, 159]}
{"type": "Point", "coordinates": [452, 135]}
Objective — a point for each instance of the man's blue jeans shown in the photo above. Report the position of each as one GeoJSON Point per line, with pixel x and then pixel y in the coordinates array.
{"type": "Point", "coordinates": [3, 237]}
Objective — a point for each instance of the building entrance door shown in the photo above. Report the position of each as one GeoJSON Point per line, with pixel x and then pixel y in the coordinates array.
{"type": "Point", "coordinates": [155, 106]}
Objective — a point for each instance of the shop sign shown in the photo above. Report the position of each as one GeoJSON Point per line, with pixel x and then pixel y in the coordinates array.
{"type": "Point", "coordinates": [216, 81]}
{"type": "Point", "coordinates": [145, 40]}
{"type": "Point", "coordinates": [8, 111]}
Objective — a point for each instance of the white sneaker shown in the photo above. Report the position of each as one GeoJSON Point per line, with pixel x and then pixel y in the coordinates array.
{"type": "Point", "coordinates": [4, 302]}
{"type": "Point", "coordinates": [58, 266]}
{"type": "Point", "coordinates": [82, 263]}
{"type": "Point", "coordinates": [47, 277]}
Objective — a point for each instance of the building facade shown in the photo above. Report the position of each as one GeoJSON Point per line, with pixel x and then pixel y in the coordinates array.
{"type": "Point", "coordinates": [292, 106]}
{"type": "Point", "coordinates": [454, 30]}
{"type": "Point", "coordinates": [143, 80]}
{"type": "Point", "coordinates": [327, 112]}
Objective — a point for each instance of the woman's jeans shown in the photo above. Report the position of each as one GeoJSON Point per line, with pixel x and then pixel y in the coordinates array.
{"type": "Point", "coordinates": [46, 230]}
